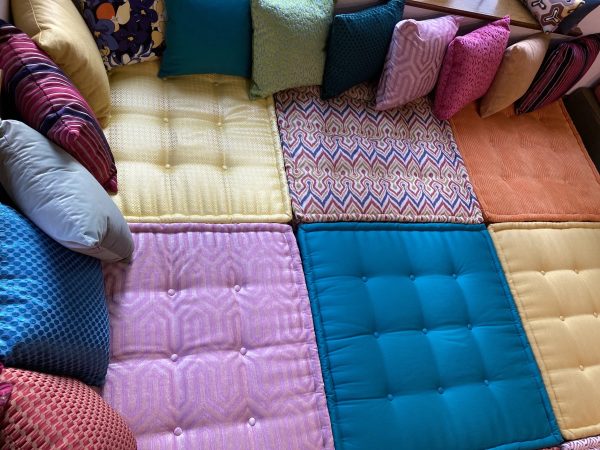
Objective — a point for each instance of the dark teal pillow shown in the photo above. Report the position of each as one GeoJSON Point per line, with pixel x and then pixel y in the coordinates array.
{"type": "Point", "coordinates": [208, 36]}
{"type": "Point", "coordinates": [358, 45]}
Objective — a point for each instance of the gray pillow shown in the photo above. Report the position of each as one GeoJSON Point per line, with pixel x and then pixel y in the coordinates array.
{"type": "Point", "coordinates": [59, 195]}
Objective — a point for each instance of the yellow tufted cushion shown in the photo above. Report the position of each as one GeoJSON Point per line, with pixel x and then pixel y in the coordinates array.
{"type": "Point", "coordinates": [194, 149]}
{"type": "Point", "coordinates": [554, 274]}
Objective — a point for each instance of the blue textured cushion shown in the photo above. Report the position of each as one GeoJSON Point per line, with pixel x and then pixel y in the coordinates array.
{"type": "Point", "coordinates": [208, 36]}
{"type": "Point", "coordinates": [420, 341]}
{"type": "Point", "coordinates": [573, 19]}
{"type": "Point", "coordinates": [357, 47]}
{"type": "Point", "coordinates": [53, 315]}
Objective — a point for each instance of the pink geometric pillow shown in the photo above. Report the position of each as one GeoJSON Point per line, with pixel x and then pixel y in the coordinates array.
{"type": "Point", "coordinates": [414, 60]}
{"type": "Point", "coordinates": [469, 67]}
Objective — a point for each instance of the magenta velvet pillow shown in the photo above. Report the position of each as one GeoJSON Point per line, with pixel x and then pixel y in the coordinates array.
{"type": "Point", "coordinates": [469, 67]}
{"type": "Point", "coordinates": [414, 60]}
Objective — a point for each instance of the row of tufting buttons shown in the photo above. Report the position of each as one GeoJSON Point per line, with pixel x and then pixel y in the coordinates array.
{"type": "Point", "coordinates": [171, 292]}
{"type": "Point", "coordinates": [178, 431]}
{"type": "Point", "coordinates": [168, 166]}
{"type": "Point", "coordinates": [441, 390]}
{"type": "Point", "coordinates": [376, 334]}
{"type": "Point", "coordinates": [411, 277]}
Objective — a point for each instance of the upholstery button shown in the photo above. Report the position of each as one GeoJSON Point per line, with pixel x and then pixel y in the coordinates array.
{"type": "Point", "coordinates": [454, 275]}
{"type": "Point", "coordinates": [440, 390]}
{"type": "Point", "coordinates": [110, 116]}
{"type": "Point", "coordinates": [412, 277]}
{"type": "Point", "coordinates": [164, 78]}
{"type": "Point", "coordinates": [165, 119]}
{"type": "Point", "coordinates": [252, 421]}
{"type": "Point", "coordinates": [219, 124]}
{"type": "Point", "coordinates": [171, 292]}
{"type": "Point", "coordinates": [486, 382]}
{"type": "Point", "coordinates": [224, 167]}
{"type": "Point", "coordinates": [364, 279]}
{"type": "Point", "coordinates": [469, 326]}
{"type": "Point", "coordinates": [424, 330]}
{"type": "Point", "coordinates": [562, 318]}
{"type": "Point", "coordinates": [174, 357]}
{"type": "Point", "coordinates": [581, 368]}
{"type": "Point", "coordinates": [237, 288]}
{"type": "Point", "coordinates": [177, 431]}
{"type": "Point", "coordinates": [576, 271]}
{"type": "Point", "coordinates": [542, 272]}
{"type": "Point", "coordinates": [596, 314]}
{"type": "Point", "coordinates": [390, 397]}
{"type": "Point", "coordinates": [376, 334]}
{"type": "Point", "coordinates": [243, 350]}
{"type": "Point", "coordinates": [216, 83]}
{"type": "Point", "coordinates": [167, 166]}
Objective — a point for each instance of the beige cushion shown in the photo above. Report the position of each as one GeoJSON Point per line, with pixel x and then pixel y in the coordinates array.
{"type": "Point", "coordinates": [58, 29]}
{"type": "Point", "coordinates": [519, 66]}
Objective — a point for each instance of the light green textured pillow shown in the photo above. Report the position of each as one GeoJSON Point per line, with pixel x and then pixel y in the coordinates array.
{"type": "Point", "coordinates": [288, 45]}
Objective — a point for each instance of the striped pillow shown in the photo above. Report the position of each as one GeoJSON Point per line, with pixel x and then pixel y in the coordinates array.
{"type": "Point", "coordinates": [561, 69]}
{"type": "Point", "coordinates": [49, 102]}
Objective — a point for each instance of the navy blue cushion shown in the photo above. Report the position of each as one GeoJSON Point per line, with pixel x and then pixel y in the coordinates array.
{"type": "Point", "coordinates": [573, 19]}
{"type": "Point", "coordinates": [357, 47]}
{"type": "Point", "coordinates": [420, 342]}
{"type": "Point", "coordinates": [53, 314]}
{"type": "Point", "coordinates": [208, 36]}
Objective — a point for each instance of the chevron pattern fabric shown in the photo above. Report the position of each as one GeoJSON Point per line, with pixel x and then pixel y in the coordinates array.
{"type": "Point", "coordinates": [346, 161]}
{"type": "Point", "coordinates": [212, 340]}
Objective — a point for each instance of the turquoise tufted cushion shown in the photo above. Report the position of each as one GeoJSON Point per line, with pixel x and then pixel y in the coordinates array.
{"type": "Point", "coordinates": [53, 315]}
{"type": "Point", "coordinates": [420, 342]}
{"type": "Point", "coordinates": [357, 47]}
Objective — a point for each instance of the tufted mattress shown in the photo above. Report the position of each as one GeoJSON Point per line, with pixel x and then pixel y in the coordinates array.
{"type": "Point", "coordinates": [346, 161]}
{"type": "Point", "coordinates": [420, 343]}
{"type": "Point", "coordinates": [554, 274]}
{"type": "Point", "coordinates": [592, 443]}
{"type": "Point", "coordinates": [528, 167]}
{"type": "Point", "coordinates": [212, 340]}
{"type": "Point", "coordinates": [194, 149]}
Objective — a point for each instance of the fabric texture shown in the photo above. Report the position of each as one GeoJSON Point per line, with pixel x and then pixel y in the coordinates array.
{"type": "Point", "coordinates": [5, 391]}
{"type": "Point", "coordinates": [561, 69]}
{"type": "Point", "coordinates": [591, 443]}
{"type": "Point", "coordinates": [48, 102]}
{"type": "Point", "coordinates": [416, 331]}
{"type": "Point", "coordinates": [572, 20]}
{"type": "Point", "coordinates": [195, 149]}
{"type": "Point", "coordinates": [53, 315]}
{"type": "Point", "coordinates": [469, 67]}
{"type": "Point", "coordinates": [346, 161]}
{"type": "Point", "coordinates": [59, 195]}
{"type": "Point", "coordinates": [126, 31]}
{"type": "Point", "coordinates": [520, 64]}
{"type": "Point", "coordinates": [554, 275]}
{"type": "Point", "coordinates": [58, 29]}
{"type": "Point", "coordinates": [216, 317]}
{"type": "Point", "coordinates": [212, 36]}
{"type": "Point", "coordinates": [414, 60]}
{"type": "Point", "coordinates": [289, 41]}
{"type": "Point", "coordinates": [47, 412]}
{"type": "Point", "coordinates": [550, 13]}
{"type": "Point", "coordinates": [357, 46]}
{"type": "Point", "coordinates": [528, 168]}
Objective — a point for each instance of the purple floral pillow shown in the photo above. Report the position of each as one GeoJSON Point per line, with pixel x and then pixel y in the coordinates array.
{"type": "Point", "coordinates": [126, 31]}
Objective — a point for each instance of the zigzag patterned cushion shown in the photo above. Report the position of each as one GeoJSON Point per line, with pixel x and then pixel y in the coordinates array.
{"type": "Point", "coordinates": [48, 101]}
{"type": "Point", "coordinates": [346, 161]}
{"type": "Point", "coordinates": [212, 340]}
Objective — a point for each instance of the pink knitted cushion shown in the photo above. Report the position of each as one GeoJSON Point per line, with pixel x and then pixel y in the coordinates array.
{"type": "Point", "coordinates": [469, 67]}
{"type": "Point", "coordinates": [414, 60]}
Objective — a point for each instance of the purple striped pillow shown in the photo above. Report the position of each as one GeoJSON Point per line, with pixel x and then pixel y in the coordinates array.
{"type": "Point", "coordinates": [561, 69]}
{"type": "Point", "coordinates": [49, 102]}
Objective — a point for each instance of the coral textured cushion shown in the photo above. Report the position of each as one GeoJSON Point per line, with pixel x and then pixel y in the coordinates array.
{"type": "Point", "coordinates": [414, 60]}
{"type": "Point", "coordinates": [357, 46]}
{"type": "Point", "coordinates": [195, 149]}
{"type": "Point", "coordinates": [531, 167]}
{"type": "Point", "coordinates": [47, 101]}
{"type": "Point", "coordinates": [420, 343]}
{"type": "Point", "coordinates": [562, 68]}
{"type": "Point", "coordinates": [53, 315]}
{"type": "Point", "coordinates": [554, 275]}
{"type": "Point", "coordinates": [469, 67]}
{"type": "Point", "coordinates": [550, 13]}
{"type": "Point", "coordinates": [520, 64]}
{"type": "Point", "coordinates": [59, 30]}
{"type": "Point", "coordinates": [289, 40]}
{"type": "Point", "coordinates": [47, 412]}
{"type": "Point", "coordinates": [346, 161]}
{"type": "Point", "coordinates": [213, 344]}
{"type": "Point", "coordinates": [213, 36]}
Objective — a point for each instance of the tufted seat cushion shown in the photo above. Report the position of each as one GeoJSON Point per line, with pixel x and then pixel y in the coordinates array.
{"type": "Point", "coordinates": [212, 340]}
{"type": "Point", "coordinates": [194, 149]}
{"type": "Point", "coordinates": [554, 274]}
{"type": "Point", "coordinates": [420, 342]}
{"type": "Point", "coordinates": [347, 161]}
{"type": "Point", "coordinates": [528, 167]}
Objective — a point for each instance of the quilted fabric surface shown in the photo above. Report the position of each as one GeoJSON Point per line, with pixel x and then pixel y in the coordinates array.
{"type": "Point", "coordinates": [194, 149]}
{"type": "Point", "coordinates": [347, 161]}
{"type": "Point", "coordinates": [420, 343]}
{"type": "Point", "coordinates": [554, 274]}
{"type": "Point", "coordinates": [212, 340]}
{"type": "Point", "coordinates": [529, 167]}
{"type": "Point", "coordinates": [592, 443]}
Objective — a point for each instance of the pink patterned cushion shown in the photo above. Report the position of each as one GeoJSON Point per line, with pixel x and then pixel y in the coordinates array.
{"type": "Point", "coordinates": [212, 340]}
{"type": "Point", "coordinates": [414, 60]}
{"type": "Point", "coordinates": [469, 67]}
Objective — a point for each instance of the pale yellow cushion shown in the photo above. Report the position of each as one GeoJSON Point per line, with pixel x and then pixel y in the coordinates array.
{"type": "Point", "coordinates": [519, 66]}
{"type": "Point", "coordinates": [194, 149]}
{"type": "Point", "coordinates": [57, 28]}
{"type": "Point", "coordinates": [554, 274]}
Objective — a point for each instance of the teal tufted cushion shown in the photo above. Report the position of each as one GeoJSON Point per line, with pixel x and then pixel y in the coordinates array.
{"type": "Point", "coordinates": [420, 342]}
{"type": "Point", "coordinates": [357, 47]}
